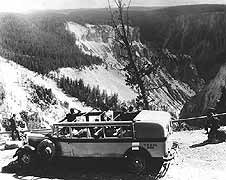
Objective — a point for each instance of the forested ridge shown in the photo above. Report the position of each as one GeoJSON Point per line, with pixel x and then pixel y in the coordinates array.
{"type": "Point", "coordinates": [40, 43]}
{"type": "Point", "coordinates": [194, 30]}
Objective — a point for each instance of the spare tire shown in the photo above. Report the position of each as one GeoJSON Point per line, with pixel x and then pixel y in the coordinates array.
{"type": "Point", "coordinates": [46, 150]}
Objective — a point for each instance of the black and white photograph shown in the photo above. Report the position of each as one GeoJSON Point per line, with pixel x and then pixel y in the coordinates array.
{"type": "Point", "coordinates": [112, 89]}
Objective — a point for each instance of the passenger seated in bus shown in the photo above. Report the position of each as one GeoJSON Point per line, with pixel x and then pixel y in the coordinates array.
{"type": "Point", "coordinates": [123, 132]}
{"type": "Point", "coordinates": [74, 132]}
{"type": "Point", "coordinates": [127, 133]}
{"type": "Point", "coordinates": [84, 132]}
{"type": "Point", "coordinates": [118, 132]}
{"type": "Point", "coordinates": [64, 131]}
{"type": "Point", "coordinates": [99, 132]}
{"type": "Point", "coordinates": [109, 131]}
{"type": "Point", "coordinates": [108, 116]}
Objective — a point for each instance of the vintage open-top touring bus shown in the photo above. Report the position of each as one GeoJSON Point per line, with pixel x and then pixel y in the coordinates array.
{"type": "Point", "coordinates": [141, 140]}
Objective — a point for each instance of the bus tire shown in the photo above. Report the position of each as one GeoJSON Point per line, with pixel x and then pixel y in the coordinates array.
{"type": "Point", "coordinates": [137, 162]}
{"type": "Point", "coordinates": [46, 150]}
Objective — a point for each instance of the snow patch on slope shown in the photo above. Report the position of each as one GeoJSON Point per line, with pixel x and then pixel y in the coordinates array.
{"type": "Point", "coordinates": [16, 82]}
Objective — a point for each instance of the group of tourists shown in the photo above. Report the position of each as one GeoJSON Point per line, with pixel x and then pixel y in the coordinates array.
{"type": "Point", "coordinates": [212, 123]}
{"type": "Point", "coordinates": [211, 126]}
{"type": "Point", "coordinates": [94, 132]}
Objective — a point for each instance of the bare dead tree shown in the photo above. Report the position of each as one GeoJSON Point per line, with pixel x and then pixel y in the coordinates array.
{"type": "Point", "coordinates": [136, 69]}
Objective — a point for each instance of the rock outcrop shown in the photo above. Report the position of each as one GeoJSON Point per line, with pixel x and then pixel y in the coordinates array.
{"type": "Point", "coordinates": [202, 36]}
{"type": "Point", "coordinates": [208, 97]}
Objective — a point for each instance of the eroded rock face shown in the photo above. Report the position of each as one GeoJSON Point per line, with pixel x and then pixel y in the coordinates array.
{"type": "Point", "coordinates": [202, 36]}
{"type": "Point", "coordinates": [171, 92]}
{"type": "Point", "coordinates": [208, 97]}
{"type": "Point", "coordinates": [99, 40]}
{"type": "Point", "coordinates": [182, 68]}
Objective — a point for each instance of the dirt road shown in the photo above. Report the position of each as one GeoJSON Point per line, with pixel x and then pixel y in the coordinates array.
{"type": "Point", "coordinates": [195, 160]}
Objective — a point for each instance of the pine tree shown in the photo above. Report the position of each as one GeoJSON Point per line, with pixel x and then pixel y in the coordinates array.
{"type": "Point", "coordinates": [137, 69]}
{"type": "Point", "coordinates": [91, 96]}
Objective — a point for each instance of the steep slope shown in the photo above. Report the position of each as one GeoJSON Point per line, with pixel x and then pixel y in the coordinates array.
{"type": "Point", "coordinates": [96, 40]}
{"type": "Point", "coordinates": [40, 43]}
{"type": "Point", "coordinates": [110, 80]}
{"type": "Point", "coordinates": [195, 30]}
{"type": "Point", "coordinates": [208, 97]}
{"type": "Point", "coordinates": [20, 89]}
{"type": "Point", "coordinates": [203, 37]}
{"type": "Point", "coordinates": [93, 40]}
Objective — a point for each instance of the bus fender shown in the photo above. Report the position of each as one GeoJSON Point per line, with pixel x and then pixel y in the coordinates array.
{"type": "Point", "coordinates": [24, 148]}
{"type": "Point", "coordinates": [138, 149]}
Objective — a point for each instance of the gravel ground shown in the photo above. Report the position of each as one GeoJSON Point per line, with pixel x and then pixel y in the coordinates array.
{"type": "Point", "coordinates": [195, 160]}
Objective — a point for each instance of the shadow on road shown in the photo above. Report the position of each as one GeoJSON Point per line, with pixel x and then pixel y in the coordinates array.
{"type": "Point", "coordinates": [82, 169]}
{"type": "Point", "coordinates": [204, 143]}
{"type": "Point", "coordinates": [199, 144]}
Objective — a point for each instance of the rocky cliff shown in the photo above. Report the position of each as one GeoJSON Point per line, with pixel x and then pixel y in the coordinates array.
{"type": "Point", "coordinates": [97, 40]}
{"type": "Point", "coordinates": [202, 36]}
{"type": "Point", "coordinates": [209, 97]}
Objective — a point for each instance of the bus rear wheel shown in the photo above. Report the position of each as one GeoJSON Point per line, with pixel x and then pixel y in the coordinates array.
{"type": "Point", "coordinates": [137, 163]}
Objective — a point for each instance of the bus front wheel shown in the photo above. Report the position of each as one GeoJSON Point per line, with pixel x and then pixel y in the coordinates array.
{"type": "Point", "coordinates": [26, 158]}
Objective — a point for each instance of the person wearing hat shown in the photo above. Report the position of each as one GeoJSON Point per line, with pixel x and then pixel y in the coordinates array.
{"type": "Point", "coordinates": [13, 127]}
{"type": "Point", "coordinates": [70, 117]}
{"type": "Point", "coordinates": [214, 124]}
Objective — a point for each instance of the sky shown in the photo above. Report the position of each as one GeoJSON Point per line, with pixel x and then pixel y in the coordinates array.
{"type": "Point", "coordinates": [24, 6]}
